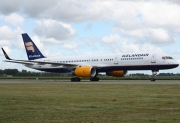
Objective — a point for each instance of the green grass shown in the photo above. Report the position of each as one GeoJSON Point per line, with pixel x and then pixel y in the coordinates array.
{"type": "Point", "coordinates": [66, 103]}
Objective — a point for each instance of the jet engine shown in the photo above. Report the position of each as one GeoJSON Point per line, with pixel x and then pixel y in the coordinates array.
{"type": "Point", "coordinates": [85, 71]}
{"type": "Point", "coordinates": [117, 73]}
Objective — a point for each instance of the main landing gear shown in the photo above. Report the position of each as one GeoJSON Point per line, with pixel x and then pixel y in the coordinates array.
{"type": "Point", "coordinates": [94, 79]}
{"type": "Point", "coordinates": [75, 79]}
{"type": "Point", "coordinates": [154, 73]}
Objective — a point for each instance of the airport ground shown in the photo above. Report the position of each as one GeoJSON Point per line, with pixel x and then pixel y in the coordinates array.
{"type": "Point", "coordinates": [106, 101]}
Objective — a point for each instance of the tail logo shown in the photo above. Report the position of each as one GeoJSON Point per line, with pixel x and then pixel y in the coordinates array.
{"type": "Point", "coordinates": [29, 46]}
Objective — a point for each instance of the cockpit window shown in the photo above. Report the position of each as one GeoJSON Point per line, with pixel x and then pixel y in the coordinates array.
{"type": "Point", "coordinates": [166, 57]}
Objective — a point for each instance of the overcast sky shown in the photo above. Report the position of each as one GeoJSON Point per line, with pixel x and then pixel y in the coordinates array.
{"type": "Point", "coordinates": [76, 27]}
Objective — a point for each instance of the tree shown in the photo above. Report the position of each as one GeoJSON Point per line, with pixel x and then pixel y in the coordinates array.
{"type": "Point", "coordinates": [11, 71]}
{"type": "Point", "coordinates": [1, 72]}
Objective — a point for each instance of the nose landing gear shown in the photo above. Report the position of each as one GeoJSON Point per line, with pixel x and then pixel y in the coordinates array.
{"type": "Point", "coordinates": [154, 73]}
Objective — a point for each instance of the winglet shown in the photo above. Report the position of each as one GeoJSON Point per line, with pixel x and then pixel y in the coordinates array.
{"type": "Point", "coordinates": [5, 54]}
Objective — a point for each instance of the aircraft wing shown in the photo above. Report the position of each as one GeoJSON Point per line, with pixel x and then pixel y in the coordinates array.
{"type": "Point", "coordinates": [29, 62]}
{"type": "Point", "coordinates": [53, 64]}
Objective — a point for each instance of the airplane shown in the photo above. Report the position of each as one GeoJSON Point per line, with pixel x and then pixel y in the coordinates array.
{"type": "Point", "coordinates": [116, 65]}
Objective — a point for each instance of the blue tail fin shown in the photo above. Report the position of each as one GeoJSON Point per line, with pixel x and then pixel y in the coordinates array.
{"type": "Point", "coordinates": [31, 49]}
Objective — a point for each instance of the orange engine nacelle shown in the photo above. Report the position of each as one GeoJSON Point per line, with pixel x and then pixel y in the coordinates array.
{"type": "Point", "coordinates": [117, 73]}
{"type": "Point", "coordinates": [85, 71]}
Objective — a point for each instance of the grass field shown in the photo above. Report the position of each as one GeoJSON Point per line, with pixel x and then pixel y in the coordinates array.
{"type": "Point", "coordinates": [76, 103]}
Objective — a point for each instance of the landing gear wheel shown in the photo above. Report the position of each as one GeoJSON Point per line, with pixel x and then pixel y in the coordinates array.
{"type": "Point", "coordinates": [75, 79]}
{"type": "Point", "coordinates": [153, 79]}
{"type": "Point", "coordinates": [94, 79]}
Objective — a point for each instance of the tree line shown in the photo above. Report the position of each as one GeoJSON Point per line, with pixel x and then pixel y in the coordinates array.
{"type": "Point", "coordinates": [16, 72]}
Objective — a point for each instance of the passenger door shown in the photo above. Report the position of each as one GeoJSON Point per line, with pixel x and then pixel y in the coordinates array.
{"type": "Point", "coordinates": [116, 60]}
{"type": "Point", "coordinates": [153, 58]}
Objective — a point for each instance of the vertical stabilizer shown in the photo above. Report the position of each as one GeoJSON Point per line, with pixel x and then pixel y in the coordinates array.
{"type": "Point", "coordinates": [31, 49]}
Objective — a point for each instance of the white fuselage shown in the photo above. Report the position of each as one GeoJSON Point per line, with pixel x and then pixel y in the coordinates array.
{"type": "Point", "coordinates": [109, 62]}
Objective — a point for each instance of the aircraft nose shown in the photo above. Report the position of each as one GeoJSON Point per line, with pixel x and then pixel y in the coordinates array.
{"type": "Point", "coordinates": [176, 63]}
